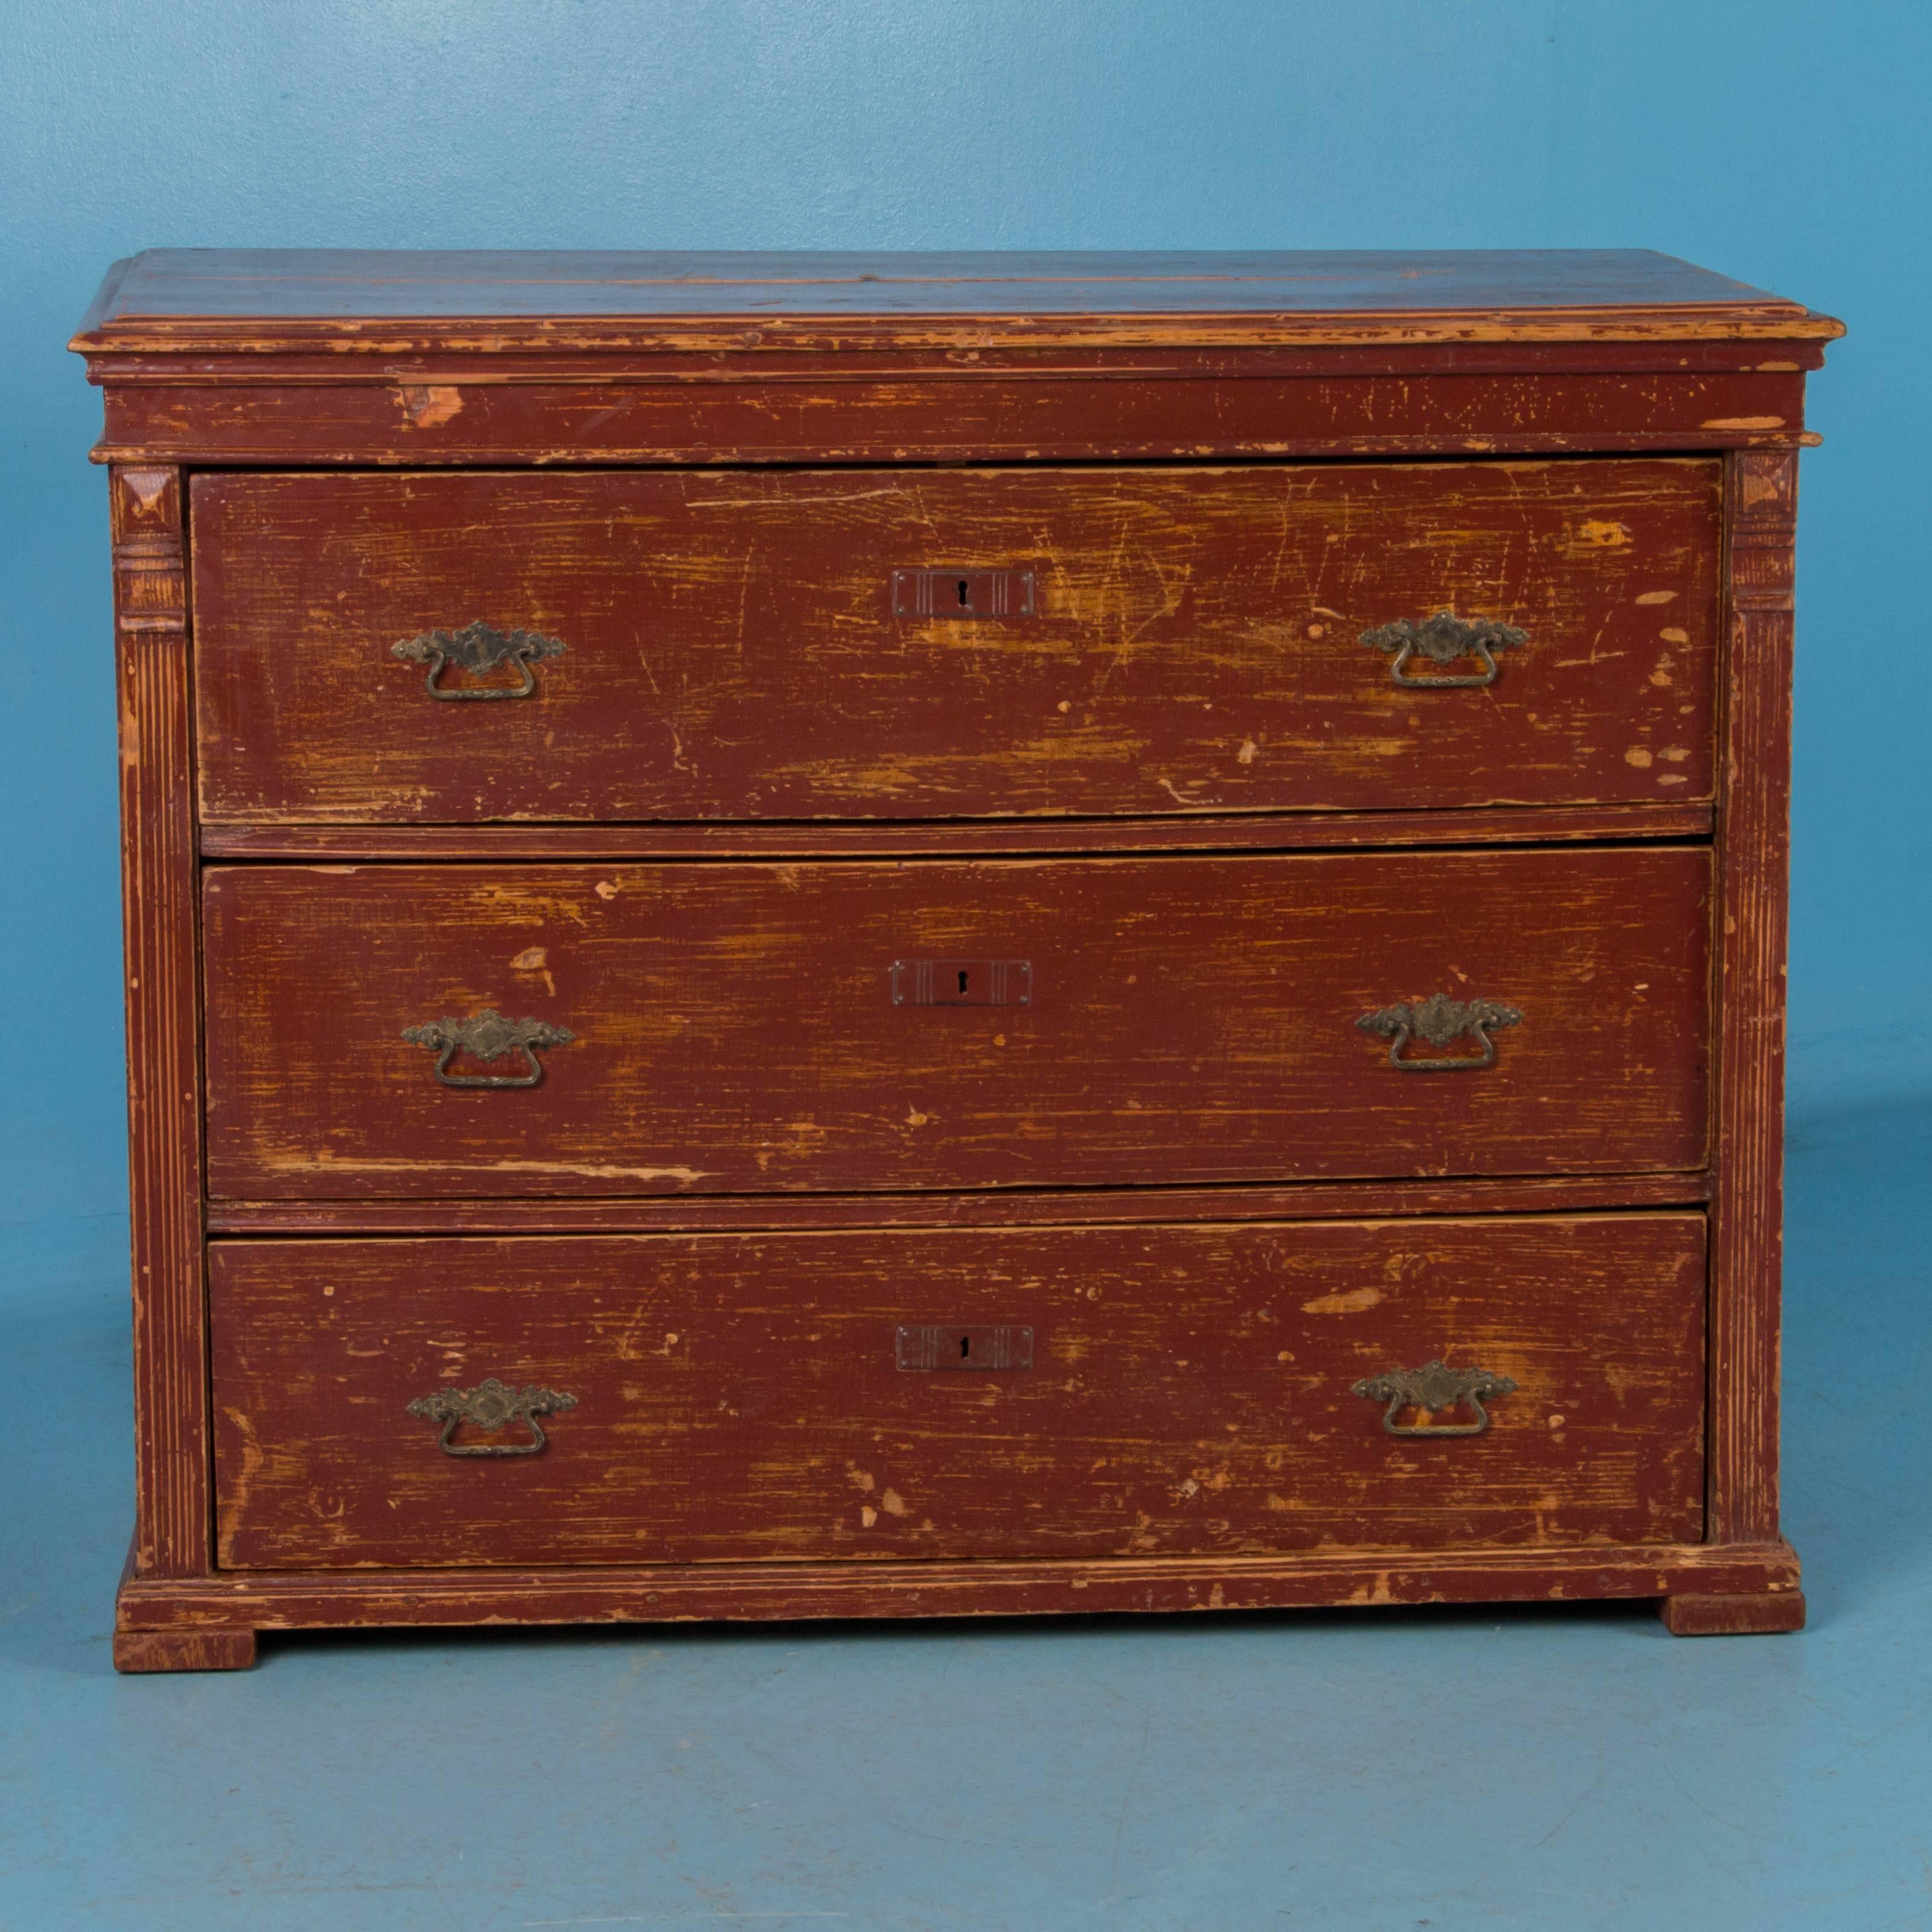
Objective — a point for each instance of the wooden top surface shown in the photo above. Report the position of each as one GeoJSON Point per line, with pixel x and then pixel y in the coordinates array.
{"type": "Point", "coordinates": [271, 299]}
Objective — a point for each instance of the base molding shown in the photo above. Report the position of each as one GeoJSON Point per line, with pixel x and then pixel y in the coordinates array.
{"type": "Point", "coordinates": [1694, 1613]}
{"type": "Point", "coordinates": [161, 1617]}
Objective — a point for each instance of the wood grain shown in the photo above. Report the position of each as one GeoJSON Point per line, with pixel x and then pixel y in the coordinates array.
{"type": "Point", "coordinates": [731, 649]}
{"type": "Point", "coordinates": [326, 362]}
{"type": "Point", "coordinates": [1193, 1020]}
{"type": "Point", "coordinates": [1752, 1613]}
{"type": "Point", "coordinates": [746, 790]}
{"type": "Point", "coordinates": [737, 1396]}
{"type": "Point", "coordinates": [136, 1651]}
{"type": "Point", "coordinates": [758, 1591]}
{"type": "Point", "coordinates": [1179, 831]}
{"type": "Point", "coordinates": [388, 301]}
{"type": "Point", "coordinates": [947, 416]}
{"type": "Point", "coordinates": [1748, 1229]}
{"type": "Point", "coordinates": [1007, 1207]}
{"type": "Point", "coordinates": [159, 918]}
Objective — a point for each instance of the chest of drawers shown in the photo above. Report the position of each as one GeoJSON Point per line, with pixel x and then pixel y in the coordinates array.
{"type": "Point", "coordinates": [911, 935]}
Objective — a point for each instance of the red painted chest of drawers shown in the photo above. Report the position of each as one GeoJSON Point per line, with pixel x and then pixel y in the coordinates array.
{"type": "Point", "coordinates": [906, 935]}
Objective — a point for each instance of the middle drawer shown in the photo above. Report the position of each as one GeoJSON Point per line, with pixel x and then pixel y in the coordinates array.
{"type": "Point", "coordinates": [455, 1030]}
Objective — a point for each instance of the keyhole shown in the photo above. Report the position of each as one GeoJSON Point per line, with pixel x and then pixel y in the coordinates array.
{"type": "Point", "coordinates": [962, 982]}
{"type": "Point", "coordinates": [964, 603]}
{"type": "Point", "coordinates": [965, 1346]}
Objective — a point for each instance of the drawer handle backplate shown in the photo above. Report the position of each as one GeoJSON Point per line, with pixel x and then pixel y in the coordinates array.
{"type": "Point", "coordinates": [478, 649]}
{"type": "Point", "coordinates": [1435, 1386]}
{"type": "Point", "coordinates": [486, 1036]}
{"type": "Point", "coordinates": [1441, 640]}
{"type": "Point", "coordinates": [491, 1406]}
{"type": "Point", "coordinates": [1438, 1020]}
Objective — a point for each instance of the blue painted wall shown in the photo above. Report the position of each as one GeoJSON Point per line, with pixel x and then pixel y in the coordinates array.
{"type": "Point", "coordinates": [1785, 144]}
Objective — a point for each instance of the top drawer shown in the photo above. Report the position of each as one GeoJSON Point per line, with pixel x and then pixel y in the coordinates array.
{"type": "Point", "coordinates": [757, 644]}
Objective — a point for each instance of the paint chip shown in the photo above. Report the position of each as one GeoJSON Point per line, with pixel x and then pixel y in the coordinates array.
{"type": "Point", "coordinates": [1344, 1301]}
{"type": "Point", "coordinates": [1597, 533]}
{"type": "Point", "coordinates": [426, 406]}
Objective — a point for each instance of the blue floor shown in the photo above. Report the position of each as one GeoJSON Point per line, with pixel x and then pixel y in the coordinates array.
{"type": "Point", "coordinates": [1378, 1771]}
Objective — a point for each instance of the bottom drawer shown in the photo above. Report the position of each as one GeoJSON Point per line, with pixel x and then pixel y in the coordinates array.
{"type": "Point", "coordinates": [1173, 1390]}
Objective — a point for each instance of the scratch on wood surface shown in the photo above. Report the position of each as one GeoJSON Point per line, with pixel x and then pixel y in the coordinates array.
{"type": "Point", "coordinates": [325, 1157]}
{"type": "Point", "coordinates": [764, 1421]}
{"type": "Point", "coordinates": [1155, 605]}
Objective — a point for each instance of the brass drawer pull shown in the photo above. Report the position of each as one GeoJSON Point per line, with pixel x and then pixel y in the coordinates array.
{"type": "Point", "coordinates": [1442, 639]}
{"type": "Point", "coordinates": [486, 1036]}
{"type": "Point", "coordinates": [491, 1406]}
{"type": "Point", "coordinates": [1438, 1020]}
{"type": "Point", "coordinates": [1433, 1387]}
{"type": "Point", "coordinates": [477, 648]}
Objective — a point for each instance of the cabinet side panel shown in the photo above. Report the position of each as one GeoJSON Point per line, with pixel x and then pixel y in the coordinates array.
{"type": "Point", "coordinates": [1753, 834]}
{"type": "Point", "coordinates": [163, 1022]}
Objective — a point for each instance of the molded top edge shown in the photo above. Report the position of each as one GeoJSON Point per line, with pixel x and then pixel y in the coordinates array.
{"type": "Point", "coordinates": [267, 299]}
